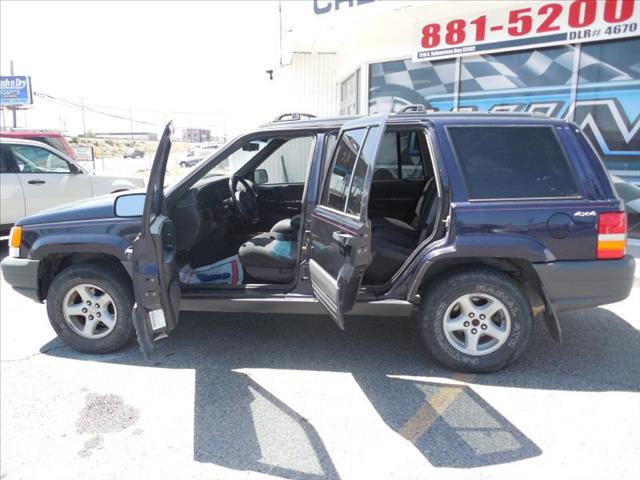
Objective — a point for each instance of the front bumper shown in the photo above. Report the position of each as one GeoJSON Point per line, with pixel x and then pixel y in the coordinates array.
{"type": "Point", "coordinates": [571, 285]}
{"type": "Point", "coordinates": [22, 275]}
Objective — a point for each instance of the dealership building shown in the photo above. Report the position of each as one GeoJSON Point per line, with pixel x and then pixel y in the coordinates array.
{"type": "Point", "coordinates": [578, 60]}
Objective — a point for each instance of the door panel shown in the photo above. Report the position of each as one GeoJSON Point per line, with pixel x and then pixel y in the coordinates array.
{"type": "Point", "coordinates": [277, 202]}
{"type": "Point", "coordinates": [48, 190]}
{"type": "Point", "coordinates": [340, 231]}
{"type": "Point", "coordinates": [155, 274]}
{"type": "Point", "coordinates": [11, 199]}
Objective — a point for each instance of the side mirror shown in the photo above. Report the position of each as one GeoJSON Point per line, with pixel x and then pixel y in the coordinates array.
{"type": "Point", "coordinates": [130, 205]}
{"type": "Point", "coordinates": [74, 169]}
{"type": "Point", "coordinates": [260, 176]}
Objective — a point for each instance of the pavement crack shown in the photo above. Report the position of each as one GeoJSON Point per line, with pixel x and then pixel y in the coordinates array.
{"type": "Point", "coordinates": [29, 357]}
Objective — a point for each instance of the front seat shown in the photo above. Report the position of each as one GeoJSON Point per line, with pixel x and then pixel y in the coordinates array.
{"type": "Point", "coordinates": [289, 226]}
{"type": "Point", "coordinates": [269, 257]}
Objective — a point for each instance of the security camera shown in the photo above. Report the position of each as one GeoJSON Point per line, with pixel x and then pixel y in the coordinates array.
{"type": "Point", "coordinates": [270, 73]}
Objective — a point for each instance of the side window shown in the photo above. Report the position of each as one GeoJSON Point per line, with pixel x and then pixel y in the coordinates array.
{"type": "Point", "coordinates": [7, 164]}
{"type": "Point", "coordinates": [411, 165]}
{"type": "Point", "coordinates": [38, 160]}
{"type": "Point", "coordinates": [386, 167]}
{"type": "Point", "coordinates": [289, 162]}
{"type": "Point", "coordinates": [512, 162]}
{"type": "Point", "coordinates": [346, 153]}
{"type": "Point", "coordinates": [399, 157]}
{"type": "Point", "coordinates": [329, 144]}
{"type": "Point", "coordinates": [354, 203]}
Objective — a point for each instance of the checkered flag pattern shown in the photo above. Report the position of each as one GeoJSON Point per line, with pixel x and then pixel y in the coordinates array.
{"type": "Point", "coordinates": [536, 68]}
{"type": "Point", "coordinates": [426, 78]}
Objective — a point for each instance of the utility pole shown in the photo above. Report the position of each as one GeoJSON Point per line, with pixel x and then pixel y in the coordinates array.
{"type": "Point", "coordinates": [13, 109]}
{"type": "Point", "coordinates": [84, 127]}
{"type": "Point", "coordinates": [131, 122]}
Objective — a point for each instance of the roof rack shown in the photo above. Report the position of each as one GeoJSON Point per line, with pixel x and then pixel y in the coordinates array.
{"type": "Point", "coordinates": [292, 117]}
{"type": "Point", "coordinates": [413, 108]}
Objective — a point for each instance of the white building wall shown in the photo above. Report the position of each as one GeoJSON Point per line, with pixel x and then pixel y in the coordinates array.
{"type": "Point", "coordinates": [307, 84]}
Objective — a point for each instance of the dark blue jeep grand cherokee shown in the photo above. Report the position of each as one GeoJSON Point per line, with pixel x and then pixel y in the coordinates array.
{"type": "Point", "coordinates": [481, 223]}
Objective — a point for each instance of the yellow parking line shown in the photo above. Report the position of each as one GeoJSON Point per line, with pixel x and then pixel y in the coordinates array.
{"type": "Point", "coordinates": [432, 409]}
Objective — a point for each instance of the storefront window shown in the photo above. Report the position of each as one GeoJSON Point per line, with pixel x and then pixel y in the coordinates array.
{"type": "Point", "coordinates": [349, 94]}
{"type": "Point", "coordinates": [524, 81]}
{"type": "Point", "coordinates": [607, 105]}
{"type": "Point", "coordinates": [392, 85]}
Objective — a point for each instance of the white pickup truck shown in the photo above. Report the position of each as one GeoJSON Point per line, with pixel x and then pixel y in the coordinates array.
{"type": "Point", "coordinates": [35, 177]}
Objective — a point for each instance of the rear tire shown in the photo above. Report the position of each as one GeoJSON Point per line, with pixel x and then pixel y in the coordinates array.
{"type": "Point", "coordinates": [475, 320]}
{"type": "Point", "coordinates": [96, 283]}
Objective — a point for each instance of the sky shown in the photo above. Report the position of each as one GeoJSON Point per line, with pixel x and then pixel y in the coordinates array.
{"type": "Point", "coordinates": [158, 58]}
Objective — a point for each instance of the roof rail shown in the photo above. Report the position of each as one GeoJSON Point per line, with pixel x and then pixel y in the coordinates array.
{"type": "Point", "coordinates": [292, 117]}
{"type": "Point", "coordinates": [413, 108]}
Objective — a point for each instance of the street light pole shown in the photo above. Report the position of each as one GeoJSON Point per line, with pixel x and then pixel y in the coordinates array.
{"type": "Point", "coordinates": [13, 109]}
{"type": "Point", "coordinates": [84, 128]}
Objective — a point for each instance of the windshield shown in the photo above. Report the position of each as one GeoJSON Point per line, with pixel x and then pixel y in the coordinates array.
{"type": "Point", "coordinates": [238, 159]}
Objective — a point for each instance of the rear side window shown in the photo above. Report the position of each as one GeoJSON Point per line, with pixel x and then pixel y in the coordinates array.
{"type": "Point", "coordinates": [399, 157]}
{"type": "Point", "coordinates": [53, 142]}
{"type": "Point", "coordinates": [512, 162]}
{"type": "Point", "coordinates": [345, 158]}
{"type": "Point", "coordinates": [354, 204]}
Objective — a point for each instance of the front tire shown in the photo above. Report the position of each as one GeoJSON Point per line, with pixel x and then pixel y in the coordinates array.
{"type": "Point", "coordinates": [90, 306]}
{"type": "Point", "coordinates": [475, 320]}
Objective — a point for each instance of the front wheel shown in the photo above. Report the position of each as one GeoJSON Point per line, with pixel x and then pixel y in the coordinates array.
{"type": "Point", "coordinates": [476, 320]}
{"type": "Point", "coordinates": [90, 306]}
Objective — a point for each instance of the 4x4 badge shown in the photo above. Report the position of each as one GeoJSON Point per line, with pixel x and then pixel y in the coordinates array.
{"type": "Point", "coordinates": [592, 213]}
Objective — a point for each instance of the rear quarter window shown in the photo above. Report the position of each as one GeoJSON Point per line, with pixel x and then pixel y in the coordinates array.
{"type": "Point", "coordinates": [512, 162]}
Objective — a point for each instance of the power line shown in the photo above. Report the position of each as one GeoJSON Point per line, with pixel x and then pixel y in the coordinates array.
{"type": "Point", "coordinates": [78, 106]}
{"type": "Point", "coordinates": [90, 108]}
{"type": "Point", "coordinates": [175, 112]}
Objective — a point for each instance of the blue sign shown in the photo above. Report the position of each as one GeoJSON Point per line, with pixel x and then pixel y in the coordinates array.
{"type": "Point", "coordinates": [15, 91]}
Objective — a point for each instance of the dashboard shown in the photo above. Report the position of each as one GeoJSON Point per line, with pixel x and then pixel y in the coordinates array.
{"type": "Point", "coordinates": [206, 207]}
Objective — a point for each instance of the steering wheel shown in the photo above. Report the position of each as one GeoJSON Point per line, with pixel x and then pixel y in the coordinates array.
{"type": "Point", "coordinates": [244, 199]}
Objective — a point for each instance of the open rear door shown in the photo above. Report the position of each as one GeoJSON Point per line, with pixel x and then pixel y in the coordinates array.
{"type": "Point", "coordinates": [340, 230]}
{"type": "Point", "coordinates": [155, 279]}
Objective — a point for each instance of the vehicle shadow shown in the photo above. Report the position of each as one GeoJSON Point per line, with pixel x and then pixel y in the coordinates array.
{"type": "Point", "coordinates": [445, 419]}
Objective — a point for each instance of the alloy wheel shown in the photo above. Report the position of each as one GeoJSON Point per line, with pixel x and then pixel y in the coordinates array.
{"type": "Point", "coordinates": [477, 324]}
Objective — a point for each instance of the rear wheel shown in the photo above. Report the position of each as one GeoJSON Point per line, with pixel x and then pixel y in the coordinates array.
{"type": "Point", "coordinates": [475, 321]}
{"type": "Point", "coordinates": [90, 306]}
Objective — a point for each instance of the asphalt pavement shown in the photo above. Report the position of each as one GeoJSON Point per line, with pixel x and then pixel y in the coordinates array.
{"type": "Point", "coordinates": [293, 397]}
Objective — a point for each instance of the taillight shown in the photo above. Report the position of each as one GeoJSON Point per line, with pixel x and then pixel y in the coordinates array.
{"type": "Point", "coordinates": [612, 235]}
{"type": "Point", "coordinates": [15, 238]}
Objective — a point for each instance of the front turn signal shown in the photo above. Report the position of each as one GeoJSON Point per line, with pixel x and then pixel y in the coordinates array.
{"type": "Point", "coordinates": [15, 238]}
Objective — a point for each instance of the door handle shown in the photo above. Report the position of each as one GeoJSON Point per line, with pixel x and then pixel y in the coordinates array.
{"type": "Point", "coordinates": [343, 239]}
{"type": "Point", "coordinates": [36, 182]}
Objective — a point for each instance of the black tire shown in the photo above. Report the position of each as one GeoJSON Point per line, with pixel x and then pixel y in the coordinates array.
{"type": "Point", "coordinates": [113, 281]}
{"type": "Point", "coordinates": [450, 287]}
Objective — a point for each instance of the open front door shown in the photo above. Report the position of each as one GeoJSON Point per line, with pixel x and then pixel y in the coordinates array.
{"type": "Point", "coordinates": [340, 230]}
{"type": "Point", "coordinates": [155, 279]}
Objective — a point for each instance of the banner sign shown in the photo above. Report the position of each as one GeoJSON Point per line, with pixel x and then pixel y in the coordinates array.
{"type": "Point", "coordinates": [15, 91]}
{"type": "Point", "coordinates": [533, 24]}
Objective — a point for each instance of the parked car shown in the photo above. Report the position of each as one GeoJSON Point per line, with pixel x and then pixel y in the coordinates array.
{"type": "Point", "coordinates": [512, 220]}
{"type": "Point", "coordinates": [198, 154]}
{"type": "Point", "coordinates": [191, 159]}
{"type": "Point", "coordinates": [133, 153]}
{"type": "Point", "coordinates": [36, 177]}
{"type": "Point", "coordinates": [49, 137]}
